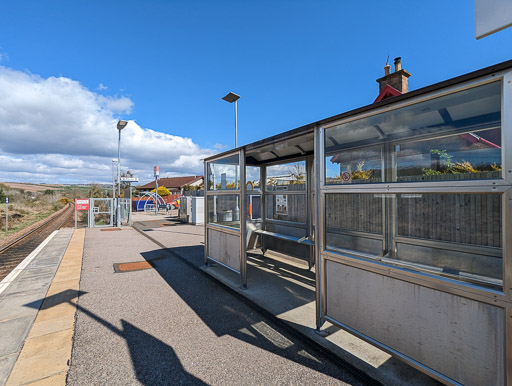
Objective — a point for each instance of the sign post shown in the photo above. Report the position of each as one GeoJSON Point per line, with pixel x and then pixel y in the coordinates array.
{"type": "Point", "coordinates": [157, 174]}
{"type": "Point", "coordinates": [6, 214]}
{"type": "Point", "coordinates": [81, 204]}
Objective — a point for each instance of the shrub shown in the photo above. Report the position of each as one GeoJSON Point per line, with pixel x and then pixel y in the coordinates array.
{"type": "Point", "coordinates": [162, 191]}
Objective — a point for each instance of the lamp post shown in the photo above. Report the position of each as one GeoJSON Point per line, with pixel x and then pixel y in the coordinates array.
{"type": "Point", "coordinates": [120, 126]}
{"type": "Point", "coordinates": [232, 97]}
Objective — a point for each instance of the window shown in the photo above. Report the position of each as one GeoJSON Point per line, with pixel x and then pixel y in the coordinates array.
{"type": "Point", "coordinates": [224, 174]}
{"type": "Point", "coordinates": [286, 207]}
{"type": "Point", "coordinates": [454, 138]}
{"type": "Point", "coordinates": [289, 176]}
{"type": "Point", "coordinates": [224, 210]}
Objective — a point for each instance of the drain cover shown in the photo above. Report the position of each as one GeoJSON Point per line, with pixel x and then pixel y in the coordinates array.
{"type": "Point", "coordinates": [135, 266]}
{"type": "Point", "coordinates": [110, 229]}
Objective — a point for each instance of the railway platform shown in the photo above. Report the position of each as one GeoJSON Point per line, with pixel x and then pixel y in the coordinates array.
{"type": "Point", "coordinates": [137, 305]}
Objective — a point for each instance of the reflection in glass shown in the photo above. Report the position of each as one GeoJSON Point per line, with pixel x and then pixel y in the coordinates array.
{"type": "Point", "coordinates": [286, 207]}
{"type": "Point", "coordinates": [471, 155]}
{"type": "Point", "coordinates": [224, 174]}
{"type": "Point", "coordinates": [252, 178]}
{"type": "Point", "coordinates": [289, 176]}
{"type": "Point", "coordinates": [470, 121]}
{"type": "Point", "coordinates": [355, 166]}
{"type": "Point", "coordinates": [223, 210]}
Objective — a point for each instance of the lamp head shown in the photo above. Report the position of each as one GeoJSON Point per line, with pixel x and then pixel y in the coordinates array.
{"type": "Point", "coordinates": [121, 125]}
{"type": "Point", "coordinates": [231, 97]}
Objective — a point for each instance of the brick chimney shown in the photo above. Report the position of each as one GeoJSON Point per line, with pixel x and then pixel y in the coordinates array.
{"type": "Point", "coordinates": [399, 79]}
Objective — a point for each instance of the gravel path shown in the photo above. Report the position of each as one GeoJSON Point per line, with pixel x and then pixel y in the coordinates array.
{"type": "Point", "coordinates": [173, 325]}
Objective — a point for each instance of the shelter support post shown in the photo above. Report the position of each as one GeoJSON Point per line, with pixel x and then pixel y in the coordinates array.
{"type": "Point", "coordinates": [206, 209]}
{"type": "Point", "coordinates": [318, 214]}
{"type": "Point", "coordinates": [243, 221]}
{"type": "Point", "coordinates": [263, 187]}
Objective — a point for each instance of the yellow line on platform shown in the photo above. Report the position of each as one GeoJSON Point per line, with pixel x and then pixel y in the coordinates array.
{"type": "Point", "coordinates": [45, 357]}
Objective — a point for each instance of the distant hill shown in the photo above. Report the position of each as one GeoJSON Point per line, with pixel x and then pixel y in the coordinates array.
{"type": "Point", "coordinates": [31, 187]}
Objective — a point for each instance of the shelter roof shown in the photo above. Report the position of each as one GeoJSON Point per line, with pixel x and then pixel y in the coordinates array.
{"type": "Point", "coordinates": [173, 182]}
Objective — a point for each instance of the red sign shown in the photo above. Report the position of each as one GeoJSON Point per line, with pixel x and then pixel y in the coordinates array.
{"type": "Point", "coordinates": [81, 204]}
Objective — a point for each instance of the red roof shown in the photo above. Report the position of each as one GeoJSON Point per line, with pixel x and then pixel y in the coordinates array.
{"type": "Point", "coordinates": [387, 92]}
{"type": "Point", "coordinates": [172, 182]}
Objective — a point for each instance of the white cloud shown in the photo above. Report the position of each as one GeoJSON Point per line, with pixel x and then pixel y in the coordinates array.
{"type": "Point", "coordinates": [102, 87]}
{"type": "Point", "coordinates": [56, 130]}
{"type": "Point", "coordinates": [220, 146]}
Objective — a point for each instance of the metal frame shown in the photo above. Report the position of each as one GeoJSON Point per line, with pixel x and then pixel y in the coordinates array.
{"type": "Point", "coordinates": [307, 225]}
{"type": "Point", "coordinates": [92, 213]}
{"type": "Point", "coordinates": [385, 267]}
{"type": "Point", "coordinates": [241, 232]}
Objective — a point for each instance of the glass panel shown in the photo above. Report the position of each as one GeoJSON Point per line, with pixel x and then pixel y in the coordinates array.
{"type": "Point", "coordinates": [224, 174]}
{"type": "Point", "coordinates": [224, 210]}
{"type": "Point", "coordinates": [355, 166]}
{"type": "Point", "coordinates": [254, 206]}
{"type": "Point", "coordinates": [464, 233]}
{"type": "Point", "coordinates": [472, 155]}
{"type": "Point", "coordinates": [289, 176]}
{"type": "Point", "coordinates": [354, 222]}
{"type": "Point", "coordinates": [287, 207]}
{"type": "Point", "coordinates": [472, 114]}
{"type": "Point", "coordinates": [252, 176]}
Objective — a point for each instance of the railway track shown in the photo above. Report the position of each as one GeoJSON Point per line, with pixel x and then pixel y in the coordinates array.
{"type": "Point", "coordinates": [14, 253]}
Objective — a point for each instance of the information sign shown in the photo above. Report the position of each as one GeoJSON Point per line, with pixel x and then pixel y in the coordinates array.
{"type": "Point", "coordinates": [129, 179]}
{"type": "Point", "coordinates": [81, 204]}
{"type": "Point", "coordinates": [281, 204]}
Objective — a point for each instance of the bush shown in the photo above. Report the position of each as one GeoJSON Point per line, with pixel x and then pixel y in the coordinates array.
{"type": "Point", "coordinates": [162, 191]}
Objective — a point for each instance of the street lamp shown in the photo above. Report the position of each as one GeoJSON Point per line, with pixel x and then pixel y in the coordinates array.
{"type": "Point", "coordinates": [120, 126]}
{"type": "Point", "coordinates": [232, 97]}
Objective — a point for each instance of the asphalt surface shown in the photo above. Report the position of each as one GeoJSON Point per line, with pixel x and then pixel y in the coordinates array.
{"type": "Point", "coordinates": [173, 325]}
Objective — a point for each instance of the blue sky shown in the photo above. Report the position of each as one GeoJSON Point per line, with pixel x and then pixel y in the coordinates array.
{"type": "Point", "coordinates": [166, 65]}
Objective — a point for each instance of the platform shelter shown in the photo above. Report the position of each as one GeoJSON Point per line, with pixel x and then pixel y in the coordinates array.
{"type": "Point", "coordinates": [403, 207]}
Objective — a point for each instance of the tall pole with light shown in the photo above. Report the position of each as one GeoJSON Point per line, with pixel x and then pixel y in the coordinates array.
{"type": "Point", "coordinates": [120, 126]}
{"type": "Point", "coordinates": [232, 97]}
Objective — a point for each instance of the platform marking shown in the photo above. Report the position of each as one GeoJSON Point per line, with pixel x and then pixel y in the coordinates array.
{"type": "Point", "coordinates": [26, 261]}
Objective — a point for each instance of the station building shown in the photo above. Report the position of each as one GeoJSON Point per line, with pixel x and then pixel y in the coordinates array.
{"type": "Point", "coordinates": [403, 210]}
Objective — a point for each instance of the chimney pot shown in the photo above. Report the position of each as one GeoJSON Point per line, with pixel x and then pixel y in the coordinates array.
{"type": "Point", "coordinates": [387, 69]}
{"type": "Point", "coordinates": [398, 64]}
